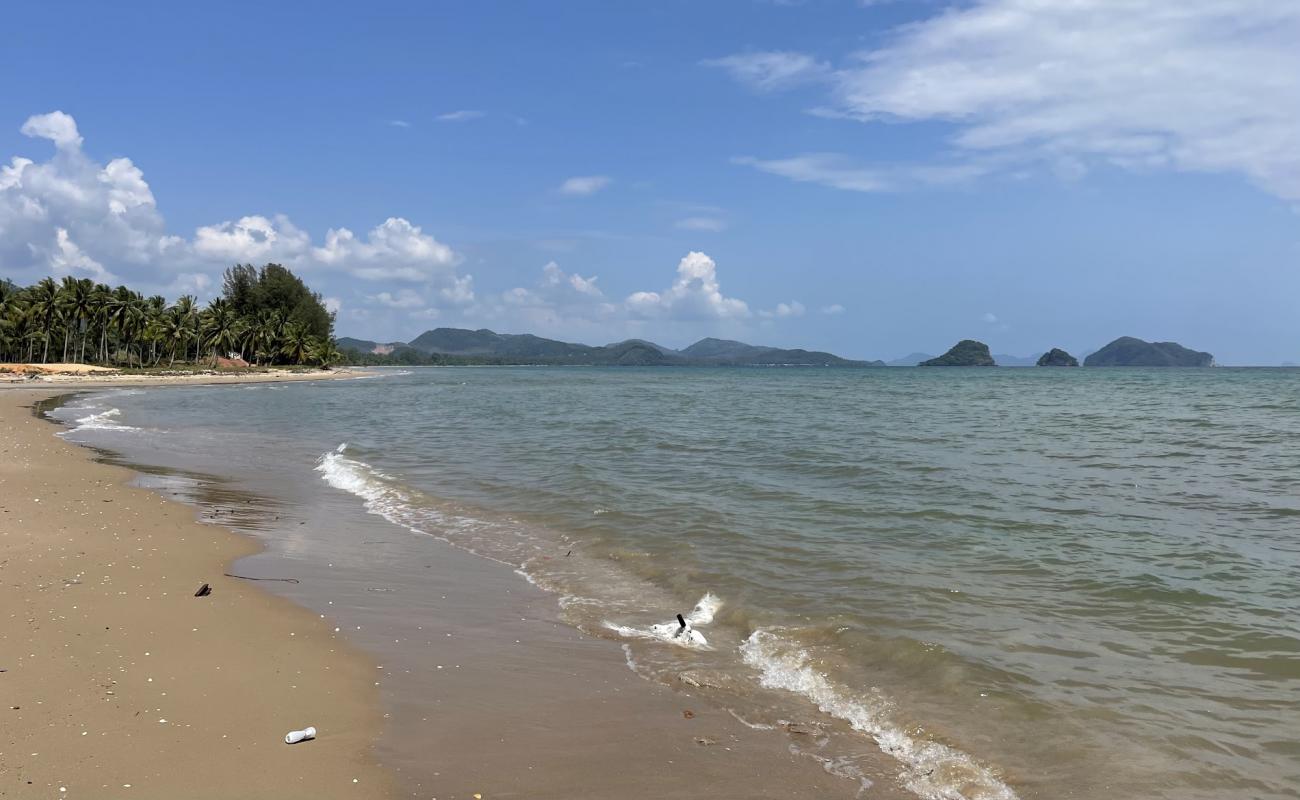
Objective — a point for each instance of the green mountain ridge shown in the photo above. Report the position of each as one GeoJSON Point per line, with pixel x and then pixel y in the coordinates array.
{"type": "Point", "coordinates": [483, 346]}
{"type": "Point", "coordinates": [1128, 351]}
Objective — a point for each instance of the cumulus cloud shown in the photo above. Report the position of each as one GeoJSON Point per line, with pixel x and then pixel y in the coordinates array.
{"type": "Point", "coordinates": [783, 310]}
{"type": "Point", "coordinates": [460, 292]}
{"type": "Point", "coordinates": [252, 238]}
{"type": "Point", "coordinates": [74, 215]}
{"type": "Point", "coordinates": [56, 126]}
{"type": "Point", "coordinates": [767, 71]}
{"type": "Point", "coordinates": [1203, 86]}
{"type": "Point", "coordinates": [392, 250]}
{"type": "Point", "coordinates": [990, 317]}
{"type": "Point", "coordinates": [695, 295]}
{"type": "Point", "coordinates": [833, 309]}
{"type": "Point", "coordinates": [582, 185]}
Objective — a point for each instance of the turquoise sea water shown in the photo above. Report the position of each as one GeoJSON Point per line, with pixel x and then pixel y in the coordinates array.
{"type": "Point", "coordinates": [1011, 582]}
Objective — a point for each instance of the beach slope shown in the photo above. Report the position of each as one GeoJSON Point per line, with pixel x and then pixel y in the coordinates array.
{"type": "Point", "coordinates": [117, 681]}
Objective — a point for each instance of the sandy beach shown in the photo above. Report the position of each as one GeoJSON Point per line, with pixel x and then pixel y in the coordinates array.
{"type": "Point", "coordinates": [108, 641]}
{"type": "Point", "coordinates": [116, 681]}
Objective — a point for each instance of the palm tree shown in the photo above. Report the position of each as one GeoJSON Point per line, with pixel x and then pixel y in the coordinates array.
{"type": "Point", "coordinates": [46, 310]}
{"type": "Point", "coordinates": [116, 309]}
{"type": "Point", "coordinates": [325, 353]}
{"type": "Point", "coordinates": [298, 342]}
{"type": "Point", "coordinates": [189, 320]}
{"type": "Point", "coordinates": [174, 330]}
{"type": "Point", "coordinates": [221, 327]}
{"type": "Point", "coordinates": [155, 307]}
{"type": "Point", "coordinates": [77, 309]}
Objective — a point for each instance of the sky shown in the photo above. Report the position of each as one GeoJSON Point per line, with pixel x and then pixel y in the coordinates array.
{"type": "Point", "coordinates": [869, 177]}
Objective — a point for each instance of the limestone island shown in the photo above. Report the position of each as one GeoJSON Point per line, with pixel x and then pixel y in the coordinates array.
{"type": "Point", "coordinates": [1056, 357]}
{"type": "Point", "coordinates": [1127, 351]}
{"type": "Point", "coordinates": [966, 353]}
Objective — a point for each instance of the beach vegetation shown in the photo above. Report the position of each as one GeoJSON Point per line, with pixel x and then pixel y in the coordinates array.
{"type": "Point", "coordinates": [266, 316]}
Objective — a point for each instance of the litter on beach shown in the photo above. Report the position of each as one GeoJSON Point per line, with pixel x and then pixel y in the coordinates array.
{"type": "Point", "coordinates": [293, 737]}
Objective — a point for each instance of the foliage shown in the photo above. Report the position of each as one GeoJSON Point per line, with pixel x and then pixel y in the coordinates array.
{"type": "Point", "coordinates": [265, 316]}
{"type": "Point", "coordinates": [966, 353]}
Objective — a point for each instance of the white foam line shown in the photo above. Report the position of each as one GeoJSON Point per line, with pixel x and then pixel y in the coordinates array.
{"type": "Point", "coordinates": [103, 421]}
{"type": "Point", "coordinates": [384, 499]}
{"type": "Point", "coordinates": [934, 771]}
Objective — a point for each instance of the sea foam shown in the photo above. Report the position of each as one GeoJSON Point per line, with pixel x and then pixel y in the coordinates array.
{"type": "Point", "coordinates": [933, 771]}
{"type": "Point", "coordinates": [103, 421]}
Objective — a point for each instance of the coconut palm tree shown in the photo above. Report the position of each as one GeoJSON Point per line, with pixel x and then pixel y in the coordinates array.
{"type": "Point", "coordinates": [187, 313]}
{"type": "Point", "coordinates": [221, 327]}
{"type": "Point", "coordinates": [325, 353]}
{"type": "Point", "coordinates": [46, 310]}
{"type": "Point", "coordinates": [78, 307]}
{"type": "Point", "coordinates": [298, 342]}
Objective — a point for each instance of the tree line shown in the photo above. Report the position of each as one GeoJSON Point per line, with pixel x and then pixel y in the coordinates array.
{"type": "Point", "coordinates": [267, 316]}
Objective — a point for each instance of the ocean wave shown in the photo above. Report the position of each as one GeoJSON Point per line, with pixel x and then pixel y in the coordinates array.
{"type": "Point", "coordinates": [103, 421]}
{"type": "Point", "coordinates": [672, 632]}
{"type": "Point", "coordinates": [933, 771]}
{"type": "Point", "coordinates": [384, 496]}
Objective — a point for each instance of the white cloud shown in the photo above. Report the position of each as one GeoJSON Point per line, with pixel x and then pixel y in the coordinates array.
{"type": "Point", "coordinates": [554, 277]}
{"type": "Point", "coordinates": [695, 295]}
{"type": "Point", "coordinates": [195, 283]}
{"type": "Point", "coordinates": [66, 258]}
{"type": "Point", "coordinates": [332, 304]}
{"type": "Point", "coordinates": [833, 309]}
{"type": "Point", "coordinates": [399, 123]}
{"type": "Point", "coordinates": [710, 224]}
{"type": "Point", "coordinates": [1200, 85]}
{"type": "Point", "coordinates": [56, 126]}
{"type": "Point", "coordinates": [792, 309]}
{"type": "Point", "coordinates": [252, 238]}
{"type": "Point", "coordinates": [767, 71]}
{"type": "Point", "coordinates": [585, 184]}
{"type": "Point", "coordinates": [71, 214]}
{"type": "Point", "coordinates": [403, 298]}
{"type": "Point", "coordinates": [460, 292]}
{"type": "Point", "coordinates": [990, 317]}
{"type": "Point", "coordinates": [392, 250]}
{"type": "Point", "coordinates": [840, 172]}
{"type": "Point", "coordinates": [464, 115]}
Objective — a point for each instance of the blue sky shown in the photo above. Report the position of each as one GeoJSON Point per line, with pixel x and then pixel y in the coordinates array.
{"type": "Point", "coordinates": [869, 178]}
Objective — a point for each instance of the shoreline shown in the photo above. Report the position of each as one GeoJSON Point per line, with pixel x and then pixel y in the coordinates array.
{"type": "Point", "coordinates": [540, 707]}
{"type": "Point", "coordinates": [117, 681]}
{"type": "Point", "coordinates": [96, 378]}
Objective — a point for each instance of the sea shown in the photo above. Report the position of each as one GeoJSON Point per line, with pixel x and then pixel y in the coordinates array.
{"type": "Point", "coordinates": [1005, 583]}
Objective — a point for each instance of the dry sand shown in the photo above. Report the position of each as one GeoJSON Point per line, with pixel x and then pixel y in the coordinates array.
{"type": "Point", "coordinates": [88, 375]}
{"type": "Point", "coordinates": [118, 682]}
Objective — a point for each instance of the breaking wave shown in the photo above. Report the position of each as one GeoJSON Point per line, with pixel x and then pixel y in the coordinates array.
{"type": "Point", "coordinates": [932, 770]}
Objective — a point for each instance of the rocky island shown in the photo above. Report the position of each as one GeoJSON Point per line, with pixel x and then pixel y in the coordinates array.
{"type": "Point", "coordinates": [966, 353]}
{"type": "Point", "coordinates": [1056, 357]}
{"type": "Point", "coordinates": [1128, 351]}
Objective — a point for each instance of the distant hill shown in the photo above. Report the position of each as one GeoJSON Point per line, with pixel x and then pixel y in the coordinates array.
{"type": "Point", "coordinates": [1128, 351]}
{"type": "Point", "coordinates": [910, 360]}
{"type": "Point", "coordinates": [724, 352]}
{"type": "Point", "coordinates": [966, 353]}
{"type": "Point", "coordinates": [460, 346]}
{"type": "Point", "coordinates": [1056, 357]}
{"type": "Point", "coordinates": [366, 346]}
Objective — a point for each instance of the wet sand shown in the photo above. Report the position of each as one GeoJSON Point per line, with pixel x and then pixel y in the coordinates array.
{"type": "Point", "coordinates": [483, 690]}
{"type": "Point", "coordinates": [118, 682]}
